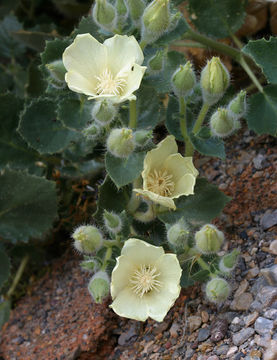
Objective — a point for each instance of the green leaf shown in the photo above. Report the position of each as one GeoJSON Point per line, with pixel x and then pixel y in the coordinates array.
{"type": "Point", "coordinates": [111, 199]}
{"type": "Point", "coordinates": [87, 25]}
{"type": "Point", "coordinates": [36, 84]}
{"type": "Point", "coordinates": [28, 205]}
{"type": "Point", "coordinates": [4, 267]}
{"type": "Point", "coordinates": [42, 130]}
{"type": "Point", "coordinates": [172, 121]}
{"type": "Point", "coordinates": [217, 18]}
{"type": "Point", "coordinates": [208, 145]}
{"type": "Point", "coordinates": [162, 81]}
{"type": "Point", "coordinates": [5, 309]}
{"type": "Point", "coordinates": [124, 171]}
{"type": "Point", "coordinates": [202, 275]}
{"type": "Point", "coordinates": [13, 150]}
{"type": "Point", "coordinates": [206, 204]}
{"type": "Point", "coordinates": [186, 279]}
{"type": "Point", "coordinates": [33, 39]}
{"type": "Point", "coordinates": [9, 46]}
{"type": "Point", "coordinates": [74, 114]}
{"type": "Point", "coordinates": [264, 53]}
{"type": "Point", "coordinates": [262, 114]}
{"type": "Point", "coordinates": [174, 34]}
{"type": "Point", "coordinates": [54, 50]}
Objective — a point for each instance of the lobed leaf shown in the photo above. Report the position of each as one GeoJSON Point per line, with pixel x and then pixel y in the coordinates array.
{"type": "Point", "coordinates": [208, 145]}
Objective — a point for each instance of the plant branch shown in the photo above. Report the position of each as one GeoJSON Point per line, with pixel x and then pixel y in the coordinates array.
{"type": "Point", "coordinates": [132, 114]}
{"type": "Point", "coordinates": [18, 276]}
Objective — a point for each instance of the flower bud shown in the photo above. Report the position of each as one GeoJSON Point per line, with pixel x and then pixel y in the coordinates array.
{"type": "Point", "coordinates": [237, 106]}
{"type": "Point", "coordinates": [91, 265]}
{"type": "Point", "coordinates": [228, 262]}
{"type": "Point", "coordinates": [142, 137]}
{"type": "Point", "coordinates": [136, 8]}
{"type": "Point", "coordinates": [112, 222]}
{"type": "Point", "coordinates": [222, 123]}
{"type": "Point", "coordinates": [156, 62]}
{"type": "Point", "coordinates": [57, 71]}
{"type": "Point", "coordinates": [209, 239]}
{"type": "Point", "coordinates": [87, 239]}
{"type": "Point", "coordinates": [121, 142]}
{"type": "Point", "coordinates": [145, 216]}
{"type": "Point", "coordinates": [217, 290]}
{"type": "Point", "coordinates": [104, 14]}
{"type": "Point", "coordinates": [121, 9]}
{"type": "Point", "coordinates": [99, 286]}
{"type": "Point", "coordinates": [183, 80]}
{"type": "Point", "coordinates": [155, 20]}
{"type": "Point", "coordinates": [178, 234]}
{"type": "Point", "coordinates": [92, 131]}
{"type": "Point", "coordinates": [214, 81]}
{"type": "Point", "coordinates": [103, 112]}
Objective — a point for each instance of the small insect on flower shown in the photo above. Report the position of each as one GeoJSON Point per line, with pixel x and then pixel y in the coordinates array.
{"type": "Point", "coordinates": [145, 281]}
{"type": "Point", "coordinates": [111, 70]}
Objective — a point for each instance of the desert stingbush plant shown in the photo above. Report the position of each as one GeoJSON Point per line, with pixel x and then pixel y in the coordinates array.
{"type": "Point", "coordinates": [92, 105]}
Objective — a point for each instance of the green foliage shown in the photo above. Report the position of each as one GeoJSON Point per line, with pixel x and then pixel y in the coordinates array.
{"type": "Point", "coordinates": [206, 203]}
{"type": "Point", "coordinates": [28, 205]}
{"type": "Point", "coordinates": [264, 52]}
{"type": "Point", "coordinates": [262, 114]}
{"type": "Point", "coordinates": [5, 309]}
{"type": "Point", "coordinates": [217, 18]}
{"type": "Point", "coordinates": [206, 144]}
{"type": "Point", "coordinates": [9, 46]}
{"type": "Point", "coordinates": [54, 50]}
{"type": "Point", "coordinates": [4, 269]}
{"type": "Point", "coordinates": [174, 34]}
{"type": "Point", "coordinates": [73, 113]}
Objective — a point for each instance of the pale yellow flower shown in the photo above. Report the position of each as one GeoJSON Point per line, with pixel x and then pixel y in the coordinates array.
{"type": "Point", "coordinates": [110, 70]}
{"type": "Point", "coordinates": [167, 175]}
{"type": "Point", "coordinates": [145, 281]}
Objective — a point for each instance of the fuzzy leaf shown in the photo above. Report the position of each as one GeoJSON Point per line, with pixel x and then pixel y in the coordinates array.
{"type": "Point", "coordinates": [208, 145]}
{"type": "Point", "coordinates": [9, 46]}
{"type": "Point", "coordinates": [217, 18]}
{"type": "Point", "coordinates": [206, 203]}
{"type": "Point", "coordinates": [42, 130]}
{"type": "Point", "coordinates": [264, 53]}
{"type": "Point", "coordinates": [174, 34]}
{"type": "Point", "coordinates": [4, 268]}
{"type": "Point", "coordinates": [262, 114]}
{"type": "Point", "coordinates": [87, 25]}
{"type": "Point", "coordinates": [28, 205]}
{"type": "Point", "coordinates": [5, 309]}
{"type": "Point", "coordinates": [73, 114]}
{"type": "Point", "coordinates": [124, 171]}
{"type": "Point", "coordinates": [13, 150]}
{"type": "Point", "coordinates": [33, 39]}
{"type": "Point", "coordinates": [54, 50]}
{"type": "Point", "coordinates": [172, 121]}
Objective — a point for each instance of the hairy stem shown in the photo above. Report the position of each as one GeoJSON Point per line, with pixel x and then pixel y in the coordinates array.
{"type": "Point", "coordinates": [200, 118]}
{"type": "Point", "coordinates": [132, 114]}
{"type": "Point", "coordinates": [18, 276]}
{"type": "Point", "coordinates": [183, 125]}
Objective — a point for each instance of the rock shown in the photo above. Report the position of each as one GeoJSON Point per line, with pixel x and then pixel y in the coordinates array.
{"type": "Point", "coordinates": [213, 357]}
{"type": "Point", "coordinates": [219, 329]}
{"type": "Point", "coordinates": [232, 351]}
{"type": "Point", "coordinates": [260, 162]}
{"type": "Point", "coordinates": [256, 306]}
{"type": "Point", "coordinates": [222, 349]}
{"type": "Point", "coordinates": [271, 314]}
{"type": "Point", "coordinates": [269, 219]}
{"type": "Point", "coordinates": [251, 318]}
{"type": "Point", "coordinates": [242, 302]}
{"type": "Point", "coordinates": [236, 324]}
{"type": "Point", "coordinates": [204, 316]}
{"type": "Point", "coordinates": [203, 334]}
{"type": "Point", "coordinates": [239, 356]}
{"type": "Point", "coordinates": [270, 274]}
{"type": "Point", "coordinates": [194, 323]}
{"type": "Point", "coordinates": [173, 331]}
{"type": "Point", "coordinates": [267, 295]}
{"type": "Point", "coordinates": [243, 335]}
{"type": "Point", "coordinates": [252, 273]}
{"type": "Point", "coordinates": [160, 327]}
{"type": "Point", "coordinates": [129, 336]}
{"type": "Point", "coordinates": [263, 326]}
{"type": "Point", "coordinates": [273, 247]}
{"type": "Point", "coordinates": [242, 288]}
{"type": "Point", "coordinates": [271, 351]}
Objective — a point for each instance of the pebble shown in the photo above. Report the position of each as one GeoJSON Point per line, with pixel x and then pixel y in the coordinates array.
{"type": "Point", "coordinates": [267, 295]}
{"type": "Point", "coordinates": [263, 326]}
{"type": "Point", "coordinates": [270, 274]}
{"type": "Point", "coordinates": [269, 219]}
{"type": "Point", "coordinates": [174, 330]}
{"type": "Point", "coordinates": [251, 318]}
{"type": "Point", "coordinates": [243, 335]}
{"type": "Point", "coordinates": [242, 288]}
{"type": "Point", "coordinates": [203, 334]}
{"type": "Point", "coordinates": [271, 314]}
{"type": "Point", "coordinates": [271, 351]}
{"type": "Point", "coordinates": [242, 302]}
{"type": "Point", "coordinates": [252, 273]}
{"type": "Point", "coordinates": [236, 324]}
{"type": "Point", "coordinates": [239, 356]}
{"type": "Point", "coordinates": [213, 357]}
{"type": "Point", "coordinates": [194, 323]}
{"type": "Point", "coordinates": [204, 316]}
{"type": "Point", "coordinates": [273, 247]}
{"type": "Point", "coordinates": [232, 351]}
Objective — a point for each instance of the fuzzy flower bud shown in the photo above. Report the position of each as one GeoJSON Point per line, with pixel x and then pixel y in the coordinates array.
{"type": "Point", "coordinates": [155, 20]}
{"type": "Point", "coordinates": [99, 286]}
{"type": "Point", "coordinates": [91, 265]}
{"type": "Point", "coordinates": [87, 239]}
{"type": "Point", "coordinates": [228, 262]}
{"type": "Point", "coordinates": [209, 239]}
{"type": "Point", "coordinates": [103, 112]}
{"type": "Point", "coordinates": [183, 80]}
{"type": "Point", "coordinates": [92, 131]}
{"type": "Point", "coordinates": [222, 123]}
{"type": "Point", "coordinates": [237, 106]}
{"type": "Point", "coordinates": [136, 8]}
{"type": "Point", "coordinates": [217, 290]}
{"type": "Point", "coordinates": [57, 71]}
{"type": "Point", "coordinates": [178, 234]}
{"type": "Point", "coordinates": [156, 62]}
{"type": "Point", "coordinates": [104, 14]}
{"type": "Point", "coordinates": [142, 137]}
{"type": "Point", "coordinates": [121, 9]}
{"type": "Point", "coordinates": [214, 81]}
{"type": "Point", "coordinates": [112, 222]}
{"type": "Point", "coordinates": [121, 142]}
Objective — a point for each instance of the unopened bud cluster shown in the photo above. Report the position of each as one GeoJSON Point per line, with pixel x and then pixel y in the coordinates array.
{"type": "Point", "coordinates": [99, 286]}
{"type": "Point", "coordinates": [183, 80]}
{"type": "Point", "coordinates": [87, 239]}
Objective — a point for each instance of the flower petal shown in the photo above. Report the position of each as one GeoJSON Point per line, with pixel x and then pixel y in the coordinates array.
{"type": "Point", "coordinates": [185, 186]}
{"type": "Point", "coordinates": [133, 81]}
{"type": "Point", "coordinates": [122, 50]}
{"type": "Point", "coordinates": [119, 279]}
{"type": "Point", "coordinates": [85, 56]}
{"type": "Point", "coordinates": [158, 199]}
{"type": "Point", "coordinates": [78, 83]}
{"type": "Point", "coordinates": [128, 304]}
{"type": "Point", "coordinates": [178, 166]}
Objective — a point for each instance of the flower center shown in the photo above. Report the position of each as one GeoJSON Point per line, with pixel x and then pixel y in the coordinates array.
{"type": "Point", "coordinates": [160, 182]}
{"type": "Point", "coordinates": [109, 84]}
{"type": "Point", "coordinates": [145, 279]}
